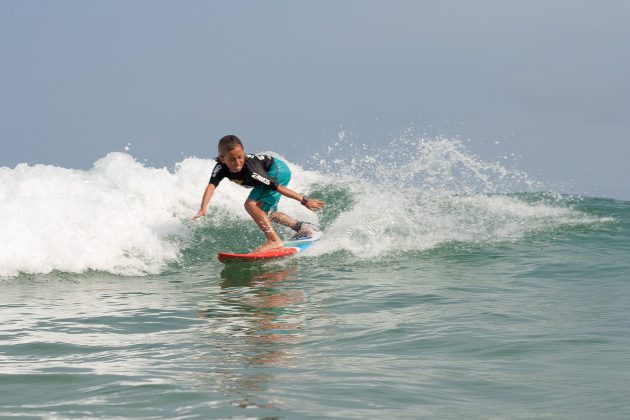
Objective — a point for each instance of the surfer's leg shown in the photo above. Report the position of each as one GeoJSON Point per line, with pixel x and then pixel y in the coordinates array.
{"type": "Point", "coordinates": [301, 228]}
{"type": "Point", "coordinates": [263, 222]}
{"type": "Point", "coordinates": [283, 219]}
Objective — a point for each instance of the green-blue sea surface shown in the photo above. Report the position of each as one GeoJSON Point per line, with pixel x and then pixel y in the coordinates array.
{"type": "Point", "coordinates": [533, 328]}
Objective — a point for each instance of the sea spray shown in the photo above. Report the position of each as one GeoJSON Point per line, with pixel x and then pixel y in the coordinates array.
{"type": "Point", "coordinates": [443, 165]}
{"type": "Point", "coordinates": [415, 194]}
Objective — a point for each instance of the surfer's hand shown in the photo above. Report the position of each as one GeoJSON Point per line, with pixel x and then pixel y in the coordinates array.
{"type": "Point", "coordinates": [199, 214]}
{"type": "Point", "coordinates": [314, 204]}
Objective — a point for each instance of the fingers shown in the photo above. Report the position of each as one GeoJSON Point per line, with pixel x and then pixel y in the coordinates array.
{"type": "Point", "coordinates": [316, 204]}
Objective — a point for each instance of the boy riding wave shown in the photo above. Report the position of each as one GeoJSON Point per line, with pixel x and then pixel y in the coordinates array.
{"type": "Point", "coordinates": [269, 177]}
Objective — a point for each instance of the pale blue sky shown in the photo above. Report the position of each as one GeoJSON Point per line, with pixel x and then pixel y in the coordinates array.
{"type": "Point", "coordinates": [547, 79]}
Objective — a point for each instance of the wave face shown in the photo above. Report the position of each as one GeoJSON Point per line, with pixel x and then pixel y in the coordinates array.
{"type": "Point", "coordinates": [414, 195]}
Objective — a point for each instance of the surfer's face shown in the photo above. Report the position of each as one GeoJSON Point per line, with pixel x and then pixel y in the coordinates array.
{"type": "Point", "coordinates": [234, 159]}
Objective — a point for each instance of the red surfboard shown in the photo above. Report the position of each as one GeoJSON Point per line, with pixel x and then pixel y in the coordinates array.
{"type": "Point", "coordinates": [272, 253]}
{"type": "Point", "coordinates": [290, 248]}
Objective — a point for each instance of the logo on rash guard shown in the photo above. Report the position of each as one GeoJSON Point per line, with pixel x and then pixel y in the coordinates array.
{"type": "Point", "coordinates": [260, 178]}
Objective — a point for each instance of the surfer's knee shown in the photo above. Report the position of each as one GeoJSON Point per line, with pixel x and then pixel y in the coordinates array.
{"type": "Point", "coordinates": [250, 205]}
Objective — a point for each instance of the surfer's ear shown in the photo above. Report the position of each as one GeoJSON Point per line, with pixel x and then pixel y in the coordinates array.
{"type": "Point", "coordinates": [219, 159]}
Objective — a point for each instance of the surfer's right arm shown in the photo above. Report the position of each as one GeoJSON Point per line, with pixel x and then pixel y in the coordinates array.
{"type": "Point", "coordinates": [207, 195]}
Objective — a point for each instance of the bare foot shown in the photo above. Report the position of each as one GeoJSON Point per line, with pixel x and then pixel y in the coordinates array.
{"type": "Point", "coordinates": [269, 245]}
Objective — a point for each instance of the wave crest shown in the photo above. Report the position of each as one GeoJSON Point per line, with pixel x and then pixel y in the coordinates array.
{"type": "Point", "coordinates": [126, 218]}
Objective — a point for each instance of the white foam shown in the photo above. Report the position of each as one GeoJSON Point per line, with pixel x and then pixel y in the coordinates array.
{"type": "Point", "coordinates": [120, 216]}
{"type": "Point", "coordinates": [113, 217]}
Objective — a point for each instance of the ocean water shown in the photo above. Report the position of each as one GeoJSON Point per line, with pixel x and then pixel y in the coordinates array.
{"type": "Point", "coordinates": [444, 287]}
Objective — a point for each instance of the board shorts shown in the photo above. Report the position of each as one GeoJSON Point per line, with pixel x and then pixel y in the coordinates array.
{"type": "Point", "coordinates": [269, 198]}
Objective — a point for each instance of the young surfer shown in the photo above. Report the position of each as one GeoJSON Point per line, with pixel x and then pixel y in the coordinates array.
{"type": "Point", "coordinates": [269, 178]}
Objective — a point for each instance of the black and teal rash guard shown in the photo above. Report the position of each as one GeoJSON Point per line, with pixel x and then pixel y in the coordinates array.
{"type": "Point", "coordinates": [254, 173]}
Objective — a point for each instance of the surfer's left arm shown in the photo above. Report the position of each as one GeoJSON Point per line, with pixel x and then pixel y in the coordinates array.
{"type": "Point", "coordinates": [309, 203]}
